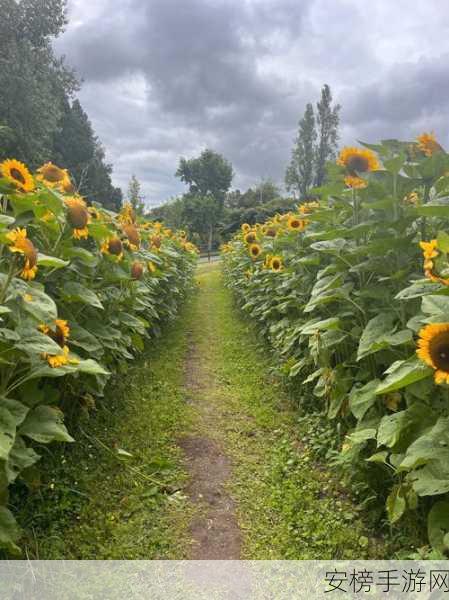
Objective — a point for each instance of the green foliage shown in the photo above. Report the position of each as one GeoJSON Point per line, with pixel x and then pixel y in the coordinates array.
{"type": "Point", "coordinates": [343, 312]}
{"type": "Point", "coordinates": [208, 175]}
{"type": "Point", "coordinates": [74, 309]}
{"type": "Point", "coordinates": [135, 196]}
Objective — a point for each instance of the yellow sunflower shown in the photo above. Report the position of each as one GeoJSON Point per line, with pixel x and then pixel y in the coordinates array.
{"type": "Point", "coordinates": [430, 252]}
{"type": "Point", "coordinates": [67, 185]}
{"type": "Point", "coordinates": [21, 244]}
{"type": "Point", "coordinates": [255, 250]}
{"type": "Point", "coordinates": [250, 237]}
{"type": "Point", "coordinates": [52, 175]}
{"type": "Point", "coordinates": [151, 266]}
{"type": "Point", "coordinates": [433, 349]}
{"type": "Point", "coordinates": [137, 270]}
{"type": "Point", "coordinates": [114, 247]}
{"type": "Point", "coordinates": [356, 183]}
{"type": "Point", "coordinates": [60, 333]}
{"type": "Point", "coordinates": [132, 235]}
{"type": "Point", "coordinates": [358, 160]}
{"type": "Point", "coordinates": [127, 214]}
{"type": "Point", "coordinates": [295, 223]}
{"type": "Point", "coordinates": [276, 263]}
{"type": "Point", "coordinates": [156, 242]}
{"type": "Point", "coordinates": [17, 173]}
{"type": "Point", "coordinates": [270, 232]}
{"type": "Point", "coordinates": [245, 227]}
{"type": "Point", "coordinates": [428, 144]}
{"type": "Point", "coordinates": [78, 216]}
{"type": "Point", "coordinates": [308, 207]}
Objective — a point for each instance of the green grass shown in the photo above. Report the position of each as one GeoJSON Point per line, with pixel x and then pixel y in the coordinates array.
{"type": "Point", "coordinates": [95, 505]}
{"type": "Point", "coordinates": [289, 507]}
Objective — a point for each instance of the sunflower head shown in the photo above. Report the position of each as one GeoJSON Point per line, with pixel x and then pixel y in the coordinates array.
{"type": "Point", "coordinates": [22, 245]}
{"type": "Point", "coordinates": [59, 334]}
{"type": "Point", "coordinates": [270, 232]}
{"type": "Point", "coordinates": [113, 246]}
{"type": "Point", "coordinates": [127, 214]}
{"type": "Point", "coordinates": [245, 227]}
{"type": "Point", "coordinates": [354, 182]}
{"type": "Point", "coordinates": [255, 250]}
{"type": "Point", "coordinates": [428, 144]}
{"type": "Point", "coordinates": [67, 186]}
{"type": "Point", "coordinates": [295, 223]}
{"type": "Point", "coordinates": [52, 175]}
{"type": "Point", "coordinates": [132, 234]}
{"type": "Point", "coordinates": [137, 270]}
{"type": "Point", "coordinates": [250, 237]}
{"type": "Point", "coordinates": [358, 160]}
{"type": "Point", "coordinates": [433, 349]}
{"type": "Point", "coordinates": [308, 207]}
{"type": "Point", "coordinates": [78, 216]}
{"type": "Point", "coordinates": [276, 263]}
{"type": "Point", "coordinates": [17, 173]}
{"type": "Point", "coordinates": [156, 241]}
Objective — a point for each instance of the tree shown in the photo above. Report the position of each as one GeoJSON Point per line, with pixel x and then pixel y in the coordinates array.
{"type": "Point", "coordinates": [33, 81]}
{"type": "Point", "coordinates": [300, 173]}
{"type": "Point", "coordinates": [135, 195]}
{"type": "Point", "coordinates": [208, 175]}
{"type": "Point", "coordinates": [327, 120]}
{"type": "Point", "coordinates": [77, 148]}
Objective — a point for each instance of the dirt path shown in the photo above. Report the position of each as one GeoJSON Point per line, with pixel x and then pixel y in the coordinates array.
{"type": "Point", "coordinates": [215, 531]}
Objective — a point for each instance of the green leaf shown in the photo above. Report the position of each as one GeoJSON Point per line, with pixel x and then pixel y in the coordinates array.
{"type": "Point", "coordinates": [418, 289]}
{"type": "Point", "coordinates": [403, 373]}
{"type": "Point", "coordinates": [9, 531]}
{"type": "Point", "coordinates": [438, 525]}
{"type": "Point", "coordinates": [436, 305]}
{"type": "Point", "coordinates": [45, 424]}
{"type": "Point", "coordinates": [6, 220]}
{"type": "Point", "coordinates": [37, 343]}
{"type": "Point", "coordinates": [430, 480]}
{"type": "Point", "coordinates": [432, 445]}
{"type": "Point", "coordinates": [12, 414]}
{"type": "Point", "coordinates": [396, 503]}
{"type": "Point", "coordinates": [358, 436]}
{"type": "Point", "coordinates": [443, 241]}
{"type": "Point", "coordinates": [311, 327]}
{"type": "Point", "coordinates": [362, 399]}
{"type": "Point", "coordinates": [75, 292]}
{"type": "Point", "coordinates": [20, 458]}
{"type": "Point", "coordinates": [51, 261]}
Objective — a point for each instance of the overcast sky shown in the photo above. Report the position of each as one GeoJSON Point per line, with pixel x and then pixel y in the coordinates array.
{"type": "Point", "coordinates": [168, 78]}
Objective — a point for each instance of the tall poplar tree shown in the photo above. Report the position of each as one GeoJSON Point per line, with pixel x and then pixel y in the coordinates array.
{"type": "Point", "coordinates": [135, 196]}
{"type": "Point", "coordinates": [300, 173]}
{"type": "Point", "coordinates": [327, 120]}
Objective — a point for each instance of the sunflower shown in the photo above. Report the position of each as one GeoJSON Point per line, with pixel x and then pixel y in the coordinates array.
{"type": "Point", "coordinates": [133, 236]}
{"type": "Point", "coordinates": [67, 186]}
{"type": "Point", "coordinates": [430, 252]}
{"type": "Point", "coordinates": [270, 232]}
{"type": "Point", "coordinates": [433, 349]}
{"type": "Point", "coordinates": [127, 214]}
{"type": "Point", "coordinates": [250, 237]}
{"type": "Point", "coordinates": [276, 263]}
{"type": "Point", "coordinates": [358, 160]}
{"type": "Point", "coordinates": [113, 246]}
{"type": "Point", "coordinates": [52, 175]}
{"type": "Point", "coordinates": [94, 212]}
{"type": "Point", "coordinates": [21, 244]}
{"type": "Point", "coordinates": [295, 224]}
{"type": "Point", "coordinates": [156, 241]}
{"type": "Point", "coordinates": [59, 334]}
{"type": "Point", "coordinates": [17, 173]}
{"type": "Point", "coordinates": [137, 270]}
{"type": "Point", "coordinates": [78, 216]}
{"type": "Point", "coordinates": [356, 183]}
{"type": "Point", "coordinates": [428, 144]}
{"type": "Point", "coordinates": [412, 198]}
{"type": "Point", "coordinates": [151, 266]}
{"type": "Point", "coordinates": [245, 227]}
{"type": "Point", "coordinates": [308, 207]}
{"type": "Point", "coordinates": [255, 250]}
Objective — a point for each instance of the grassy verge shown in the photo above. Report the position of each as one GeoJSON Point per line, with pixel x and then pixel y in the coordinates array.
{"type": "Point", "coordinates": [97, 502]}
{"type": "Point", "coordinates": [289, 507]}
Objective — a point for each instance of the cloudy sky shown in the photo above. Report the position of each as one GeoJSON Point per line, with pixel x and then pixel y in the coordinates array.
{"type": "Point", "coordinates": [168, 78]}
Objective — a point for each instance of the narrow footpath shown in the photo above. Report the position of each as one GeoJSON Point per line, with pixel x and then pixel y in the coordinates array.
{"type": "Point", "coordinates": [198, 452]}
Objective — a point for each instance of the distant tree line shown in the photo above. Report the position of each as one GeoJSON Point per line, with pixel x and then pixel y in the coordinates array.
{"type": "Point", "coordinates": [40, 119]}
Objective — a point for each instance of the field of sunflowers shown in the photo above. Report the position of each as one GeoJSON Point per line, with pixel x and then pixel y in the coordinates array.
{"type": "Point", "coordinates": [81, 290]}
{"type": "Point", "coordinates": [352, 293]}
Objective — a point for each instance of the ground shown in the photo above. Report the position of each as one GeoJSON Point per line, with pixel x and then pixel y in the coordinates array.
{"type": "Point", "coordinates": [218, 467]}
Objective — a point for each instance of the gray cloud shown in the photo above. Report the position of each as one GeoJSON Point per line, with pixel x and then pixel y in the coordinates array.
{"type": "Point", "coordinates": [166, 78]}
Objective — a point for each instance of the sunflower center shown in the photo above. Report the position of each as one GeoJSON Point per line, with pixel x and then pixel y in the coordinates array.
{"type": "Point", "coordinates": [358, 164]}
{"type": "Point", "coordinates": [78, 216]}
{"type": "Point", "coordinates": [439, 351]}
{"type": "Point", "coordinates": [276, 264]}
{"type": "Point", "coordinates": [53, 174]}
{"type": "Point", "coordinates": [17, 175]}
